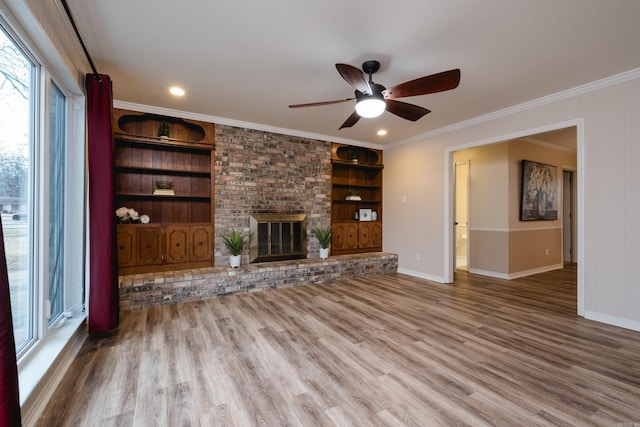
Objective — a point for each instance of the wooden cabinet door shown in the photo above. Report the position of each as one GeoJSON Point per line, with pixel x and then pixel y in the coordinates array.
{"type": "Point", "coordinates": [337, 237]}
{"type": "Point", "coordinates": [376, 234]}
{"type": "Point", "coordinates": [351, 236]}
{"type": "Point", "coordinates": [125, 241]}
{"type": "Point", "coordinates": [364, 235]}
{"type": "Point", "coordinates": [149, 245]}
{"type": "Point", "coordinates": [344, 236]}
{"type": "Point", "coordinates": [201, 243]}
{"type": "Point", "coordinates": [178, 241]}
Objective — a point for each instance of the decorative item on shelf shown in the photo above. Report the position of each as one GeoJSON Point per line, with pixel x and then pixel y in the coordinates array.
{"type": "Point", "coordinates": [235, 241]}
{"type": "Point", "coordinates": [353, 196]}
{"type": "Point", "coordinates": [324, 238]}
{"type": "Point", "coordinates": [374, 216]}
{"type": "Point", "coordinates": [126, 215]}
{"type": "Point", "coordinates": [164, 188]}
{"type": "Point", "coordinates": [365, 214]}
{"type": "Point", "coordinates": [163, 130]}
{"type": "Point", "coordinates": [144, 219]}
{"type": "Point", "coordinates": [354, 155]}
{"type": "Point", "coordinates": [356, 216]}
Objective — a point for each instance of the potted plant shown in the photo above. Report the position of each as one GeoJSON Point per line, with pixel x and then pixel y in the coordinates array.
{"type": "Point", "coordinates": [163, 130]}
{"type": "Point", "coordinates": [324, 237]}
{"type": "Point", "coordinates": [234, 241]}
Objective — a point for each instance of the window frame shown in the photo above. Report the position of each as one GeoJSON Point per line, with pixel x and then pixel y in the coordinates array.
{"type": "Point", "coordinates": [44, 75]}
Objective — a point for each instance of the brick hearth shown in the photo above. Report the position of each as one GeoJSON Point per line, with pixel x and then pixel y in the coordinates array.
{"type": "Point", "coordinates": [171, 287]}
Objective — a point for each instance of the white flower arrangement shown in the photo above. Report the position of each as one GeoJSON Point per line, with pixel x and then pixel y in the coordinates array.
{"type": "Point", "coordinates": [127, 215]}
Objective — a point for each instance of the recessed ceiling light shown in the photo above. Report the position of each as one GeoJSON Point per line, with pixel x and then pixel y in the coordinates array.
{"type": "Point", "coordinates": [382, 132]}
{"type": "Point", "coordinates": [177, 91]}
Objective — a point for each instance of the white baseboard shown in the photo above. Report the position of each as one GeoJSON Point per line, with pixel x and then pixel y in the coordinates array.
{"type": "Point", "coordinates": [633, 325]}
{"type": "Point", "coordinates": [544, 269]}
{"type": "Point", "coordinates": [517, 274]}
{"type": "Point", "coordinates": [413, 273]}
{"type": "Point", "coordinates": [488, 273]}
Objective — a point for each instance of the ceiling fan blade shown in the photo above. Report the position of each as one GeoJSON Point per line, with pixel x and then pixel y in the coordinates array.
{"type": "Point", "coordinates": [317, 104]}
{"type": "Point", "coordinates": [440, 82]}
{"type": "Point", "coordinates": [352, 120]}
{"type": "Point", "coordinates": [406, 111]}
{"type": "Point", "coordinates": [354, 77]}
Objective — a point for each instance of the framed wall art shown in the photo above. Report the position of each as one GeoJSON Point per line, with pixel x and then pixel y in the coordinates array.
{"type": "Point", "coordinates": [539, 193]}
{"type": "Point", "coordinates": [365, 214]}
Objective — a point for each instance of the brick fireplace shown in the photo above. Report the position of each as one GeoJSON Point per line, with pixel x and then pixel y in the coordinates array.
{"type": "Point", "coordinates": [268, 173]}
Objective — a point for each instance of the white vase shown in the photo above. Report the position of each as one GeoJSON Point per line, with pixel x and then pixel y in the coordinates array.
{"type": "Point", "coordinates": [234, 260]}
{"type": "Point", "coordinates": [324, 253]}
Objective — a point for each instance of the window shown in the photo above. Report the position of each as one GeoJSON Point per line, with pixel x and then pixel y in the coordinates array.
{"type": "Point", "coordinates": [41, 181]}
{"type": "Point", "coordinates": [17, 77]}
{"type": "Point", "coordinates": [57, 126]}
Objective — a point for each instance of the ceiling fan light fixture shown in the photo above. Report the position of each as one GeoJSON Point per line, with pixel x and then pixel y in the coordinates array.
{"type": "Point", "coordinates": [370, 107]}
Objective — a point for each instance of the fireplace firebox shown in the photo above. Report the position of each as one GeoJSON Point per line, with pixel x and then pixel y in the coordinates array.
{"type": "Point", "coordinates": [277, 237]}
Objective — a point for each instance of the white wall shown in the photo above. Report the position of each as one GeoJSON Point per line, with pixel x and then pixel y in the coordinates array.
{"type": "Point", "coordinates": [606, 113]}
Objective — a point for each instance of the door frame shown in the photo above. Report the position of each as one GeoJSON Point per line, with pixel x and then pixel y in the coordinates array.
{"type": "Point", "coordinates": [449, 183]}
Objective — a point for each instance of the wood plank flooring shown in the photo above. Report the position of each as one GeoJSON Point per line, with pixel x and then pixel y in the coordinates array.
{"type": "Point", "coordinates": [387, 350]}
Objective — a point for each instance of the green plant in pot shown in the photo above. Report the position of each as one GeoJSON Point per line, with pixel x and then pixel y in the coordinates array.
{"type": "Point", "coordinates": [324, 238]}
{"type": "Point", "coordinates": [163, 130]}
{"type": "Point", "coordinates": [235, 241]}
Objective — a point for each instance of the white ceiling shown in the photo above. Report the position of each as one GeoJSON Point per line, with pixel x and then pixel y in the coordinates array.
{"type": "Point", "coordinates": [246, 61]}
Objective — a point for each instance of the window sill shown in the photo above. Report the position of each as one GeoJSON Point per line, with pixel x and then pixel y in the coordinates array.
{"type": "Point", "coordinates": [43, 367]}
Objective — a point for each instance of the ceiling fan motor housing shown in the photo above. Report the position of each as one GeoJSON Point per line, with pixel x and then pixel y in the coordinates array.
{"type": "Point", "coordinates": [371, 66]}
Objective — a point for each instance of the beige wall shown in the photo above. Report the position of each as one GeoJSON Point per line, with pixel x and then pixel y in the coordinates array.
{"type": "Point", "coordinates": [606, 114]}
{"type": "Point", "coordinates": [488, 185]}
{"type": "Point", "coordinates": [534, 250]}
{"type": "Point", "coordinates": [499, 243]}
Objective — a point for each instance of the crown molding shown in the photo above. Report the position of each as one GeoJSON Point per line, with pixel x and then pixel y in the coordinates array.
{"type": "Point", "coordinates": [549, 99]}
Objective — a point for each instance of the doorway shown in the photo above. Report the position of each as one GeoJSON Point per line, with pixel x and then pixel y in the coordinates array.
{"type": "Point", "coordinates": [566, 136]}
{"type": "Point", "coordinates": [461, 215]}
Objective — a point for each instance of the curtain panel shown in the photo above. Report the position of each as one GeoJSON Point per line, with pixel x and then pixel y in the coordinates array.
{"type": "Point", "coordinates": [103, 310]}
{"type": "Point", "coordinates": [9, 394]}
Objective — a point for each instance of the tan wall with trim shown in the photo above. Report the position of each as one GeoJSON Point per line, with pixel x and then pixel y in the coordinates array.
{"type": "Point", "coordinates": [498, 241]}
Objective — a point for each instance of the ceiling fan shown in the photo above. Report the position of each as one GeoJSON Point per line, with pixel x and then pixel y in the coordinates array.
{"type": "Point", "coordinates": [373, 99]}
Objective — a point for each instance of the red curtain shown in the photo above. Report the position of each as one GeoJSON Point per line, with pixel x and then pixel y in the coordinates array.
{"type": "Point", "coordinates": [9, 395]}
{"type": "Point", "coordinates": [103, 277]}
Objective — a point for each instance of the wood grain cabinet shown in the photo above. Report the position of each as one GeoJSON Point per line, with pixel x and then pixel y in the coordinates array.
{"type": "Point", "coordinates": [160, 247]}
{"type": "Point", "coordinates": [355, 171]}
{"type": "Point", "coordinates": [179, 234]}
{"type": "Point", "coordinates": [344, 236]}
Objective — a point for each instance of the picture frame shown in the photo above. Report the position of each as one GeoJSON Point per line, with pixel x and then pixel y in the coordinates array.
{"type": "Point", "coordinates": [365, 214]}
{"type": "Point", "coordinates": [539, 192]}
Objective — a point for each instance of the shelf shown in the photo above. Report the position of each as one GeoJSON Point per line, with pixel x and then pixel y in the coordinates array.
{"type": "Point", "coordinates": [355, 221]}
{"type": "Point", "coordinates": [341, 185]}
{"type": "Point", "coordinates": [161, 196]}
{"type": "Point", "coordinates": [158, 171]}
{"type": "Point", "coordinates": [161, 143]}
{"type": "Point", "coordinates": [357, 165]}
{"type": "Point", "coordinates": [367, 202]}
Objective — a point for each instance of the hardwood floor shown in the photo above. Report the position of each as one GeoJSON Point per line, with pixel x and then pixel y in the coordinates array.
{"type": "Point", "coordinates": [381, 351]}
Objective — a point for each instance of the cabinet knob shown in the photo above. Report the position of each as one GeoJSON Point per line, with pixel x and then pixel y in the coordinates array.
{"type": "Point", "coordinates": [177, 245]}
{"type": "Point", "coordinates": [121, 247]}
{"type": "Point", "coordinates": [200, 243]}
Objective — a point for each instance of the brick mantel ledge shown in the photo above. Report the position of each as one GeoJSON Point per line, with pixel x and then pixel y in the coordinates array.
{"type": "Point", "coordinates": [171, 287]}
